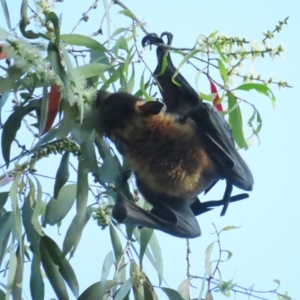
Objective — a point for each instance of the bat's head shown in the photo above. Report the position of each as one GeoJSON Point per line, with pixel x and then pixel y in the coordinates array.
{"type": "Point", "coordinates": [118, 111]}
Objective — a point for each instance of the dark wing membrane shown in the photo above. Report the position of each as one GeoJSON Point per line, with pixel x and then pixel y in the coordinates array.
{"type": "Point", "coordinates": [178, 96]}
{"type": "Point", "coordinates": [220, 145]}
{"type": "Point", "coordinates": [181, 223]}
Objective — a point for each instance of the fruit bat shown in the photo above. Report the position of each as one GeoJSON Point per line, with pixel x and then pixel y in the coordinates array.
{"type": "Point", "coordinates": [171, 158]}
{"type": "Point", "coordinates": [182, 99]}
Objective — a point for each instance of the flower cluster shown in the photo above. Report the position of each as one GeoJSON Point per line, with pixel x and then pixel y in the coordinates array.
{"type": "Point", "coordinates": [44, 6]}
{"type": "Point", "coordinates": [29, 59]}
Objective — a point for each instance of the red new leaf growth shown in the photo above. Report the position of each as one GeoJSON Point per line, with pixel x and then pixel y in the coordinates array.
{"type": "Point", "coordinates": [53, 106]}
{"type": "Point", "coordinates": [213, 90]}
{"type": "Point", "coordinates": [3, 54]}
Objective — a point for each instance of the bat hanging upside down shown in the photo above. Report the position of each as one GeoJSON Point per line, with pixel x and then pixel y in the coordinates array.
{"type": "Point", "coordinates": [174, 158]}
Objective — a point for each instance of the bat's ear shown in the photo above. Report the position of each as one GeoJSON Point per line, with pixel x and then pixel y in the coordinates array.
{"type": "Point", "coordinates": [151, 108]}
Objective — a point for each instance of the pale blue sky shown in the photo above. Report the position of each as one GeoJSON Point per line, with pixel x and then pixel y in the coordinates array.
{"type": "Point", "coordinates": [267, 246]}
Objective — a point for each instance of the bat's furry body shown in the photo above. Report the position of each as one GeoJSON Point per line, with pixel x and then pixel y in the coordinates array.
{"type": "Point", "coordinates": [175, 155]}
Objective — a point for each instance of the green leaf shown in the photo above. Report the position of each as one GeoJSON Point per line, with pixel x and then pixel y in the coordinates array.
{"type": "Point", "coordinates": [32, 236]}
{"type": "Point", "coordinates": [209, 97]}
{"type": "Point", "coordinates": [221, 54]}
{"type": "Point", "coordinates": [227, 228]}
{"type": "Point", "coordinates": [172, 294]}
{"type": "Point", "coordinates": [3, 199]}
{"type": "Point", "coordinates": [24, 22]}
{"type": "Point", "coordinates": [12, 268]}
{"type": "Point", "coordinates": [12, 125]}
{"type": "Point", "coordinates": [118, 31]}
{"type": "Point", "coordinates": [3, 246]}
{"type": "Point", "coordinates": [62, 174]}
{"type": "Point", "coordinates": [6, 226]}
{"type": "Point", "coordinates": [64, 266]}
{"type": "Point", "coordinates": [39, 208]}
{"type": "Point", "coordinates": [43, 112]}
{"type": "Point", "coordinates": [82, 40]}
{"type": "Point", "coordinates": [127, 13]}
{"type": "Point", "coordinates": [37, 287]}
{"type": "Point", "coordinates": [17, 287]}
{"type": "Point", "coordinates": [54, 58]}
{"type": "Point", "coordinates": [74, 80]}
{"type": "Point", "coordinates": [74, 232]}
{"type": "Point", "coordinates": [17, 230]}
{"type": "Point", "coordinates": [235, 120]}
{"type": "Point", "coordinates": [258, 123]}
{"type": "Point", "coordinates": [93, 291]}
{"type": "Point", "coordinates": [52, 17]}
{"type": "Point", "coordinates": [3, 33]}
{"type": "Point", "coordinates": [3, 98]}
{"type": "Point", "coordinates": [6, 13]}
{"type": "Point", "coordinates": [87, 150]}
{"type": "Point", "coordinates": [99, 57]}
{"type": "Point", "coordinates": [184, 289]}
{"type": "Point", "coordinates": [108, 262]}
{"type": "Point", "coordinates": [157, 255]}
{"type": "Point", "coordinates": [146, 234]}
{"type": "Point", "coordinates": [92, 69]}
{"type": "Point", "coordinates": [7, 83]}
{"type": "Point", "coordinates": [223, 71]}
{"type": "Point", "coordinates": [186, 58]}
{"type": "Point", "coordinates": [229, 254]}
{"type": "Point", "coordinates": [260, 88]}
{"type": "Point", "coordinates": [208, 253]}
{"type": "Point", "coordinates": [116, 243]}
{"type": "Point", "coordinates": [57, 209]}
{"type": "Point", "coordinates": [51, 270]}
{"type": "Point", "coordinates": [114, 76]}
{"type": "Point", "coordinates": [130, 83]}
{"type": "Point", "coordinates": [82, 190]}
{"type": "Point", "coordinates": [109, 170]}
{"type": "Point", "coordinates": [120, 44]}
{"type": "Point", "coordinates": [124, 290]}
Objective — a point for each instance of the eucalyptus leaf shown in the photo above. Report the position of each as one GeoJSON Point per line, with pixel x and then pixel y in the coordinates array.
{"type": "Point", "coordinates": [93, 292]}
{"type": "Point", "coordinates": [12, 125]}
{"type": "Point", "coordinates": [37, 287]}
{"type": "Point", "coordinates": [146, 234]}
{"type": "Point", "coordinates": [32, 236]}
{"type": "Point", "coordinates": [57, 209]}
{"type": "Point", "coordinates": [6, 226]}
{"type": "Point", "coordinates": [52, 272]}
{"type": "Point", "coordinates": [82, 40]}
{"type": "Point", "coordinates": [124, 290]}
{"type": "Point", "coordinates": [62, 174]}
{"type": "Point", "coordinates": [64, 266]}
{"type": "Point", "coordinates": [17, 286]}
{"type": "Point", "coordinates": [116, 243]}
{"type": "Point", "coordinates": [235, 120]}
{"type": "Point", "coordinates": [74, 232]}
{"type": "Point", "coordinates": [108, 262]}
{"type": "Point", "coordinates": [172, 294]}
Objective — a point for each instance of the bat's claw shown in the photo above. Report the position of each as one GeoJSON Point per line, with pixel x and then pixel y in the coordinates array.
{"type": "Point", "coordinates": [150, 39]}
{"type": "Point", "coordinates": [169, 36]}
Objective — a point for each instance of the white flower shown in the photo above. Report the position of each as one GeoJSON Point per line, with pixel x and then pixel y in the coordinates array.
{"type": "Point", "coordinates": [44, 6]}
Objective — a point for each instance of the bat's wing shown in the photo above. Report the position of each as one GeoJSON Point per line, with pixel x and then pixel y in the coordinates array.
{"type": "Point", "coordinates": [178, 95]}
{"type": "Point", "coordinates": [220, 146]}
{"type": "Point", "coordinates": [181, 223]}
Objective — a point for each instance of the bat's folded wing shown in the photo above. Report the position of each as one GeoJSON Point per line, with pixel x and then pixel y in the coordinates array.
{"type": "Point", "coordinates": [178, 223]}
{"type": "Point", "coordinates": [220, 145]}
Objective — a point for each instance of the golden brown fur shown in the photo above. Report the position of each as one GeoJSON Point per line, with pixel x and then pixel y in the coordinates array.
{"type": "Point", "coordinates": [168, 157]}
